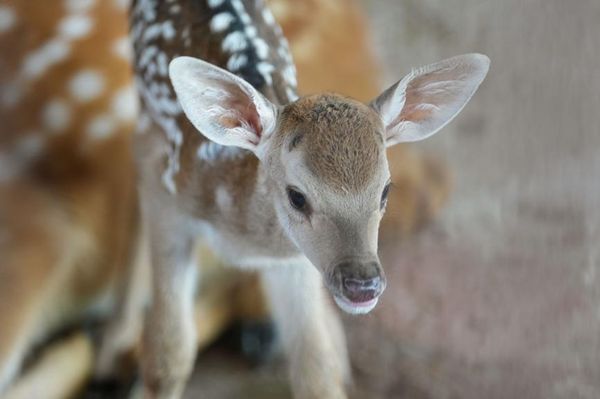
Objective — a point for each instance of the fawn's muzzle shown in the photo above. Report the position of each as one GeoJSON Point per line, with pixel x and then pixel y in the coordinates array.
{"type": "Point", "coordinates": [358, 285]}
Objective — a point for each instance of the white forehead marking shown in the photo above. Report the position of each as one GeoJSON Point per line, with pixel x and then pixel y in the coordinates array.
{"type": "Point", "coordinates": [75, 26]}
{"type": "Point", "coordinates": [79, 5]}
{"type": "Point", "coordinates": [39, 61]}
{"type": "Point", "coordinates": [221, 22]}
{"type": "Point", "coordinates": [8, 18]}
{"type": "Point", "coordinates": [175, 9]}
{"type": "Point", "coordinates": [122, 48]}
{"type": "Point", "coordinates": [56, 116]}
{"type": "Point", "coordinates": [101, 127]}
{"type": "Point", "coordinates": [215, 3]}
{"type": "Point", "coordinates": [86, 85]}
{"type": "Point", "coordinates": [125, 104]}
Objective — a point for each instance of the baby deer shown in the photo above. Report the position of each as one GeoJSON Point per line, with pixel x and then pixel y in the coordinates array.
{"type": "Point", "coordinates": [293, 186]}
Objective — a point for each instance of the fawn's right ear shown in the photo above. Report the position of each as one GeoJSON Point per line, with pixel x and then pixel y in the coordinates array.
{"type": "Point", "coordinates": [429, 97]}
{"type": "Point", "coordinates": [223, 107]}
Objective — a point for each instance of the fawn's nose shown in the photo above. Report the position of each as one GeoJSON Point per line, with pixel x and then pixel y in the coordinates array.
{"type": "Point", "coordinates": [361, 282]}
{"type": "Point", "coordinates": [362, 290]}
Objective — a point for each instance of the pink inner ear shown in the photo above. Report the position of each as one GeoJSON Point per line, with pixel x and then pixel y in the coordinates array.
{"type": "Point", "coordinates": [244, 113]}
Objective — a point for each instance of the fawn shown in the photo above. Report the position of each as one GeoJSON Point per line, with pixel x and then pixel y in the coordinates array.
{"type": "Point", "coordinates": [295, 187]}
{"type": "Point", "coordinates": [72, 110]}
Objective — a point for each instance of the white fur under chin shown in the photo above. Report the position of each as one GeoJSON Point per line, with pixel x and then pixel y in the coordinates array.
{"type": "Point", "coordinates": [351, 308]}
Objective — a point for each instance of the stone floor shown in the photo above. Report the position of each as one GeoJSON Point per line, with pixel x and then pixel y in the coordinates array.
{"type": "Point", "coordinates": [500, 297]}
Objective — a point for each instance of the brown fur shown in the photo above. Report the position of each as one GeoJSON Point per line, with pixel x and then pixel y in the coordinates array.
{"type": "Point", "coordinates": [67, 193]}
{"type": "Point", "coordinates": [347, 143]}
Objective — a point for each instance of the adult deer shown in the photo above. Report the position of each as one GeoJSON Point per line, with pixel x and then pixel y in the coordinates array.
{"type": "Point", "coordinates": [294, 186]}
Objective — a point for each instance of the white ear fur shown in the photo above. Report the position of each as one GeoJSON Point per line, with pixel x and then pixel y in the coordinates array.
{"type": "Point", "coordinates": [223, 107]}
{"type": "Point", "coordinates": [428, 98]}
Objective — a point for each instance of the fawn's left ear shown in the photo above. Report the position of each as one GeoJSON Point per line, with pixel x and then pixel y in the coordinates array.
{"type": "Point", "coordinates": [428, 98]}
{"type": "Point", "coordinates": [223, 107]}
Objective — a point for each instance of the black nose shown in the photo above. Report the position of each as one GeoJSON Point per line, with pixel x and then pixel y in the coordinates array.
{"type": "Point", "coordinates": [358, 290]}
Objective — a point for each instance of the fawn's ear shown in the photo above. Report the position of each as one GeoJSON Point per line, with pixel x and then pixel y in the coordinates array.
{"type": "Point", "coordinates": [223, 107]}
{"type": "Point", "coordinates": [428, 98]}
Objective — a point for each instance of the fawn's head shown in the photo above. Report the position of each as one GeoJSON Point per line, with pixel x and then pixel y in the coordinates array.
{"type": "Point", "coordinates": [324, 156]}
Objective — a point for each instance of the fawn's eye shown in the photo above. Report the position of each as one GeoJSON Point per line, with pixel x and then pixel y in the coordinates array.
{"type": "Point", "coordinates": [384, 195]}
{"type": "Point", "coordinates": [297, 199]}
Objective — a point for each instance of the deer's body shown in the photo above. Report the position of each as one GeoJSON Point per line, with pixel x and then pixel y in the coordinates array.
{"type": "Point", "coordinates": [294, 186]}
{"type": "Point", "coordinates": [65, 163]}
{"type": "Point", "coordinates": [67, 194]}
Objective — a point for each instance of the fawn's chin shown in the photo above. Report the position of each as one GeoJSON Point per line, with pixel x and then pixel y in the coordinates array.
{"type": "Point", "coordinates": [355, 307]}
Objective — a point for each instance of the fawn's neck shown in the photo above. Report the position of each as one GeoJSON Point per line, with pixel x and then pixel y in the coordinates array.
{"type": "Point", "coordinates": [240, 36]}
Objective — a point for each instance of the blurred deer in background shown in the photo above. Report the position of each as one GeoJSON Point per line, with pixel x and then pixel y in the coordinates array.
{"type": "Point", "coordinates": [293, 186]}
{"type": "Point", "coordinates": [68, 215]}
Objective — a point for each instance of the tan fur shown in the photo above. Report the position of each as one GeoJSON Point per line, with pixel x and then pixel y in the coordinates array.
{"type": "Point", "coordinates": [80, 204]}
{"type": "Point", "coordinates": [345, 147]}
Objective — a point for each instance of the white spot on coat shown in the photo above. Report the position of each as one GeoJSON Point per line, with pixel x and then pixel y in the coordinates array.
{"type": "Point", "coordinates": [79, 5]}
{"type": "Point", "coordinates": [56, 116]}
{"type": "Point", "coordinates": [125, 104]}
{"type": "Point", "coordinates": [122, 4]}
{"type": "Point", "coordinates": [15, 160]}
{"type": "Point", "coordinates": [234, 42]}
{"type": "Point", "coordinates": [40, 60]}
{"type": "Point", "coordinates": [237, 61]}
{"type": "Point", "coordinates": [215, 3]}
{"type": "Point", "coordinates": [268, 16]}
{"type": "Point", "coordinates": [75, 26]}
{"type": "Point", "coordinates": [223, 198]}
{"type": "Point", "coordinates": [87, 85]}
{"type": "Point", "coordinates": [262, 48]}
{"type": "Point", "coordinates": [101, 127]}
{"type": "Point", "coordinates": [221, 22]}
{"type": "Point", "coordinates": [122, 47]}
{"type": "Point", "coordinates": [266, 69]}
{"type": "Point", "coordinates": [8, 18]}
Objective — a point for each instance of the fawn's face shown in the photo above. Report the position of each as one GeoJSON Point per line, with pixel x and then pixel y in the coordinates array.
{"type": "Point", "coordinates": [325, 156]}
{"type": "Point", "coordinates": [328, 182]}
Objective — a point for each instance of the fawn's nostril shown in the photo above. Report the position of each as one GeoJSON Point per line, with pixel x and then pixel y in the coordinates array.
{"type": "Point", "coordinates": [353, 284]}
{"type": "Point", "coordinates": [361, 290]}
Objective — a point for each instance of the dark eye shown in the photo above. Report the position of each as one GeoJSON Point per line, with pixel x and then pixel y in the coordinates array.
{"type": "Point", "coordinates": [297, 199]}
{"type": "Point", "coordinates": [384, 195]}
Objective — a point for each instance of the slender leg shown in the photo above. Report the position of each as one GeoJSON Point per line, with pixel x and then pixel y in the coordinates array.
{"type": "Point", "coordinates": [310, 330]}
{"type": "Point", "coordinates": [124, 329]}
{"type": "Point", "coordinates": [169, 345]}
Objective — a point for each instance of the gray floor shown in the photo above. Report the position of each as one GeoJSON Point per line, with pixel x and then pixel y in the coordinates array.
{"type": "Point", "coordinates": [500, 298]}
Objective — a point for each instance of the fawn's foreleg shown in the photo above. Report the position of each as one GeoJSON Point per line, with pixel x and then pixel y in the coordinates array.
{"type": "Point", "coordinates": [169, 345]}
{"type": "Point", "coordinates": [310, 331]}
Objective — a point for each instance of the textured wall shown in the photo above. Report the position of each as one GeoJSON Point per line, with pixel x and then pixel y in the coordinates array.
{"type": "Point", "coordinates": [500, 298]}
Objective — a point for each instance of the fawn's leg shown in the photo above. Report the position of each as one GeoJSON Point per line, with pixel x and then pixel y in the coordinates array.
{"type": "Point", "coordinates": [310, 331]}
{"type": "Point", "coordinates": [124, 329]}
{"type": "Point", "coordinates": [169, 345]}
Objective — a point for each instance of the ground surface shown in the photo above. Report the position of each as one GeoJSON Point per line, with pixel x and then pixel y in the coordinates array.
{"type": "Point", "coordinates": [500, 298]}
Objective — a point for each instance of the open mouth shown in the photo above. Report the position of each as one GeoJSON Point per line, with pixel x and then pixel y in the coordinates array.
{"type": "Point", "coordinates": [355, 307]}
